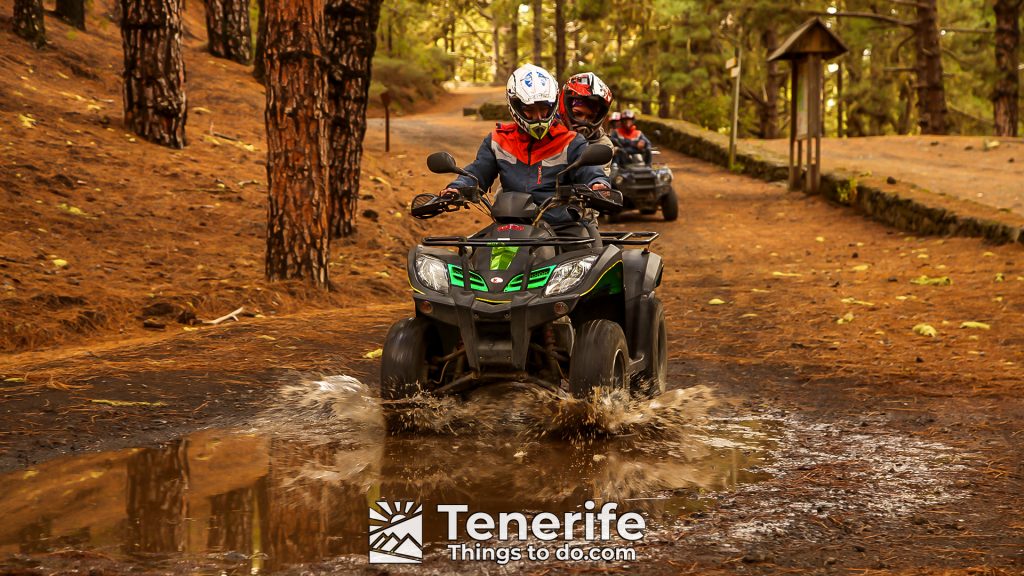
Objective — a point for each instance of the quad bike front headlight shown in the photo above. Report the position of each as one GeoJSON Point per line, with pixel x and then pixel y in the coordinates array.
{"type": "Point", "coordinates": [432, 272]}
{"type": "Point", "coordinates": [664, 176]}
{"type": "Point", "coordinates": [568, 275]}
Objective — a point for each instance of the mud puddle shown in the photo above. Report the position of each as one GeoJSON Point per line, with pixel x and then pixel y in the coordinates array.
{"type": "Point", "coordinates": [295, 483]}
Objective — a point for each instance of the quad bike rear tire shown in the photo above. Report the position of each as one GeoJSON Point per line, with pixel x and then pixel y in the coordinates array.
{"type": "Point", "coordinates": [670, 206]}
{"type": "Point", "coordinates": [403, 365]}
{"type": "Point", "coordinates": [600, 359]}
{"type": "Point", "coordinates": [651, 381]}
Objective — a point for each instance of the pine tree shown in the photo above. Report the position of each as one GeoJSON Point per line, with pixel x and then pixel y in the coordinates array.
{"type": "Point", "coordinates": [351, 36]}
{"type": "Point", "coordinates": [1006, 94]}
{"type": "Point", "coordinates": [72, 12]}
{"type": "Point", "coordinates": [154, 71]}
{"type": "Point", "coordinates": [297, 128]}
{"type": "Point", "coordinates": [228, 29]}
{"type": "Point", "coordinates": [28, 21]}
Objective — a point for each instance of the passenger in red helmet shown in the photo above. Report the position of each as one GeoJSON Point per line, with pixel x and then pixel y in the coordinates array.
{"type": "Point", "coordinates": [583, 104]}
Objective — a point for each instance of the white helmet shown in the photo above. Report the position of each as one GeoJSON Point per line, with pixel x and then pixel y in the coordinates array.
{"type": "Point", "coordinates": [531, 84]}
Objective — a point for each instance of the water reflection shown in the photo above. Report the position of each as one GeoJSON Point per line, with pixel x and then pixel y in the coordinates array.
{"type": "Point", "coordinates": [253, 502]}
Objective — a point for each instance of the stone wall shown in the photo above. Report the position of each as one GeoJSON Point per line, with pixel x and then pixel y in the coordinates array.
{"type": "Point", "coordinates": [908, 214]}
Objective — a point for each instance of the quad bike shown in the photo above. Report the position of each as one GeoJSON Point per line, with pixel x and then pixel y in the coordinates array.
{"type": "Point", "coordinates": [645, 188]}
{"type": "Point", "coordinates": [558, 306]}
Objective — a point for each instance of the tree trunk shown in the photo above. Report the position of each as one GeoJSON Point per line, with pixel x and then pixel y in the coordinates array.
{"type": "Point", "coordinates": [259, 57]}
{"type": "Point", "coordinates": [769, 117]}
{"type": "Point", "coordinates": [496, 47]}
{"type": "Point", "coordinates": [577, 46]}
{"type": "Point", "coordinates": [351, 35]}
{"type": "Point", "coordinates": [297, 129]}
{"type": "Point", "coordinates": [538, 32]}
{"type": "Point", "coordinates": [154, 71]}
{"type": "Point", "coordinates": [840, 105]}
{"type": "Point", "coordinates": [228, 29]}
{"type": "Point", "coordinates": [931, 91]}
{"type": "Point", "coordinates": [72, 12]}
{"type": "Point", "coordinates": [28, 21]}
{"type": "Point", "coordinates": [512, 47]}
{"type": "Point", "coordinates": [560, 40]}
{"type": "Point", "coordinates": [1006, 96]}
{"type": "Point", "coordinates": [664, 102]}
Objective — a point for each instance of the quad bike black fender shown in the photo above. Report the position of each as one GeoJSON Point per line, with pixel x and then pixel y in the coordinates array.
{"type": "Point", "coordinates": [641, 274]}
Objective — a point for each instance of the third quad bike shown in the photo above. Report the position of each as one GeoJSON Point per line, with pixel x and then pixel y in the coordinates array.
{"type": "Point", "coordinates": [645, 188]}
{"type": "Point", "coordinates": [564, 307]}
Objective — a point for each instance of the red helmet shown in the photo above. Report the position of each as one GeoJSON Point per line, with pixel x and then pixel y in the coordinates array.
{"type": "Point", "coordinates": [586, 86]}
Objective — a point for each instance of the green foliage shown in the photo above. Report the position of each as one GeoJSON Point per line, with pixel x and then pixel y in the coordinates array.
{"type": "Point", "coordinates": [657, 52]}
{"type": "Point", "coordinates": [593, 10]}
{"type": "Point", "coordinates": [409, 81]}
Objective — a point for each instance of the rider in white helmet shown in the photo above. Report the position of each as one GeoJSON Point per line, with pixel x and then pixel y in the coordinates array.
{"type": "Point", "coordinates": [528, 153]}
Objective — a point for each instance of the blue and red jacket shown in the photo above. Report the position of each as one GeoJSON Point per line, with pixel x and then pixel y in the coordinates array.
{"type": "Point", "coordinates": [526, 164]}
{"type": "Point", "coordinates": [628, 138]}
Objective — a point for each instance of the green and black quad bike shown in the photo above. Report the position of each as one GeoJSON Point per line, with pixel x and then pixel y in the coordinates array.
{"type": "Point", "coordinates": [564, 307]}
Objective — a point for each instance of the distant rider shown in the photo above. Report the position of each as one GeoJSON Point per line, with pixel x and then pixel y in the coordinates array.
{"type": "Point", "coordinates": [630, 140]}
{"type": "Point", "coordinates": [583, 105]}
{"type": "Point", "coordinates": [527, 154]}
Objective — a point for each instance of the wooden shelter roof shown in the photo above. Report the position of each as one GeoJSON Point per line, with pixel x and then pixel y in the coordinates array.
{"type": "Point", "coordinates": [812, 37]}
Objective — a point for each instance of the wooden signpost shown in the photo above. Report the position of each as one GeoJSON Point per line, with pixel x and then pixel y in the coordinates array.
{"type": "Point", "coordinates": [807, 49]}
{"type": "Point", "coordinates": [385, 99]}
{"type": "Point", "coordinates": [735, 68]}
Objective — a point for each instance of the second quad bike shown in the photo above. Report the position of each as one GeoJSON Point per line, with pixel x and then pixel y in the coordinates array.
{"type": "Point", "coordinates": [564, 307]}
{"type": "Point", "coordinates": [644, 187]}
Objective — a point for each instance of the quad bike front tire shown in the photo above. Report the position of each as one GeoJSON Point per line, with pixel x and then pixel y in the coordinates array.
{"type": "Point", "coordinates": [600, 359]}
{"type": "Point", "coordinates": [670, 206]}
{"type": "Point", "coordinates": [651, 381]}
{"type": "Point", "coordinates": [403, 364]}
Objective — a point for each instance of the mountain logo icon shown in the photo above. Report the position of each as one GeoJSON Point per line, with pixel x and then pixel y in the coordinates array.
{"type": "Point", "coordinates": [396, 532]}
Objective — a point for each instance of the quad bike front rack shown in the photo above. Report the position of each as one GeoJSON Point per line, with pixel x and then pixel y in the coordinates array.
{"type": "Point", "coordinates": [462, 241]}
{"type": "Point", "coordinates": [629, 238]}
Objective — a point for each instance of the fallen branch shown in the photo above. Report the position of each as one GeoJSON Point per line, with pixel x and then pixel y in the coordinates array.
{"type": "Point", "coordinates": [230, 316]}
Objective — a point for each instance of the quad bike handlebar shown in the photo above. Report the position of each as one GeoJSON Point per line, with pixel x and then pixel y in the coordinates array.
{"type": "Point", "coordinates": [426, 206]}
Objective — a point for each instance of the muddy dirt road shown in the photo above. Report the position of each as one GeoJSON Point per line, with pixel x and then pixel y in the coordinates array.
{"type": "Point", "coordinates": [808, 427]}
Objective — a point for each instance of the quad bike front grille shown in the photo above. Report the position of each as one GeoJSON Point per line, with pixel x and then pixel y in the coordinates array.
{"type": "Point", "coordinates": [538, 279]}
{"type": "Point", "coordinates": [457, 278]}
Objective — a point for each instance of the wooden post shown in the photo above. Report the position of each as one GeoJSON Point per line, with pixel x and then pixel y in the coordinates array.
{"type": "Point", "coordinates": [793, 155]}
{"type": "Point", "coordinates": [806, 49]}
{"type": "Point", "coordinates": [385, 99]}
{"type": "Point", "coordinates": [737, 73]}
{"type": "Point", "coordinates": [815, 107]}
